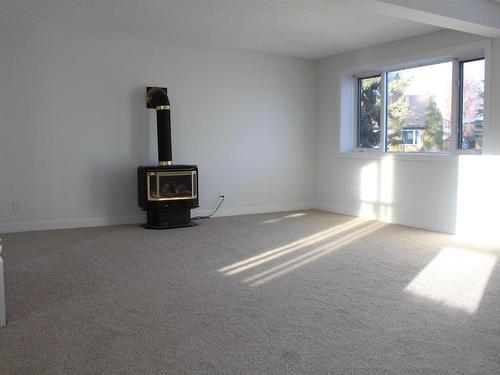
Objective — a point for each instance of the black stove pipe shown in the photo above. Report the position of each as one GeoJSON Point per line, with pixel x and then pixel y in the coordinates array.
{"type": "Point", "coordinates": [157, 98]}
{"type": "Point", "coordinates": [164, 136]}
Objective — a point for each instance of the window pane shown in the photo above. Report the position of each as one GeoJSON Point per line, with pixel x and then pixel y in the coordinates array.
{"type": "Point", "coordinates": [419, 99]}
{"type": "Point", "coordinates": [369, 112]}
{"type": "Point", "coordinates": [472, 104]}
{"type": "Point", "coordinates": [408, 137]}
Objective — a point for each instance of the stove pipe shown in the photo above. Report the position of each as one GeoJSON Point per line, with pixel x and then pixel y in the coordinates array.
{"type": "Point", "coordinates": [157, 98]}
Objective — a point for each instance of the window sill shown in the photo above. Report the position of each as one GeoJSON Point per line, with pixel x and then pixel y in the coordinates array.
{"type": "Point", "coordinates": [371, 155]}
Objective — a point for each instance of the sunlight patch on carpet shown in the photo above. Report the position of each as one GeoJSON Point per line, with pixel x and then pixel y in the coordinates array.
{"type": "Point", "coordinates": [278, 252]}
{"type": "Point", "coordinates": [300, 253]}
{"type": "Point", "coordinates": [291, 216]}
{"type": "Point", "coordinates": [313, 255]}
{"type": "Point", "coordinates": [456, 277]}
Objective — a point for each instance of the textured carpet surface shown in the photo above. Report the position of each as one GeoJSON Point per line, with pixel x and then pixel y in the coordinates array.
{"type": "Point", "coordinates": [285, 293]}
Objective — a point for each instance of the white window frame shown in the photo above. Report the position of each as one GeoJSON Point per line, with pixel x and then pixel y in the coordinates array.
{"type": "Point", "coordinates": [414, 136]}
{"type": "Point", "coordinates": [348, 129]}
{"type": "Point", "coordinates": [459, 113]}
{"type": "Point", "coordinates": [382, 112]}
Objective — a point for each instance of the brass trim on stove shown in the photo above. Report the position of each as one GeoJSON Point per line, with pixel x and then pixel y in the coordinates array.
{"type": "Point", "coordinates": [162, 163]}
{"type": "Point", "coordinates": [194, 187]}
{"type": "Point", "coordinates": [162, 108]}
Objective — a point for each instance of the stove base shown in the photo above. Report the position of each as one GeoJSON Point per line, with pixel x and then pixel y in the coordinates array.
{"type": "Point", "coordinates": [168, 217]}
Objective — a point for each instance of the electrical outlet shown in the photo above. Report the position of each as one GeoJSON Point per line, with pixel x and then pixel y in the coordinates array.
{"type": "Point", "coordinates": [15, 206]}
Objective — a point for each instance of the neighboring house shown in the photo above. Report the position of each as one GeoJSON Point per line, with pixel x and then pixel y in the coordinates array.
{"type": "Point", "coordinates": [414, 126]}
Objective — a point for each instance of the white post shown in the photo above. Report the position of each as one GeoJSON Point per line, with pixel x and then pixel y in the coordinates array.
{"type": "Point", "coordinates": [3, 322]}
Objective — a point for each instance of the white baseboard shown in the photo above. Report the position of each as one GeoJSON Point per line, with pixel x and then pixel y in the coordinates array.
{"type": "Point", "coordinates": [233, 211]}
{"type": "Point", "coordinates": [71, 223]}
{"type": "Point", "coordinates": [230, 211]}
{"type": "Point", "coordinates": [140, 218]}
{"type": "Point", "coordinates": [395, 219]}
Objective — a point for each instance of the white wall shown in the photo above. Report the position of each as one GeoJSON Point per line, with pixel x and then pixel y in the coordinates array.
{"type": "Point", "coordinates": [74, 127]}
{"type": "Point", "coordinates": [416, 192]}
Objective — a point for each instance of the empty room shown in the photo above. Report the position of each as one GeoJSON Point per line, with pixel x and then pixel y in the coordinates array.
{"type": "Point", "coordinates": [249, 187]}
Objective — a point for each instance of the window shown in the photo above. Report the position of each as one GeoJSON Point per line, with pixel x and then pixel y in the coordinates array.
{"type": "Point", "coordinates": [471, 104]}
{"type": "Point", "coordinates": [412, 110]}
{"type": "Point", "coordinates": [419, 98]}
{"type": "Point", "coordinates": [411, 137]}
{"type": "Point", "coordinates": [369, 112]}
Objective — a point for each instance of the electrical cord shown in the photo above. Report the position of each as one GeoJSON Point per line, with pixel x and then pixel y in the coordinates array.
{"type": "Point", "coordinates": [213, 213]}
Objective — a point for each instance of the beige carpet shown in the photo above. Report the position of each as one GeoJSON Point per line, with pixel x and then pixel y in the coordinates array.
{"type": "Point", "coordinates": [284, 293]}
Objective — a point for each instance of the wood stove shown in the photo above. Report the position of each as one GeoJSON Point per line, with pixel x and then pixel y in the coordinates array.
{"type": "Point", "coordinates": [167, 191]}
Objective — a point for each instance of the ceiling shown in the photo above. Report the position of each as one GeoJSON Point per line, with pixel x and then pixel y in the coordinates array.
{"type": "Point", "coordinates": [310, 29]}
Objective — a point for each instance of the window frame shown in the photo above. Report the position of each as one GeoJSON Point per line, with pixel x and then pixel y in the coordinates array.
{"type": "Point", "coordinates": [415, 135]}
{"type": "Point", "coordinates": [456, 109]}
{"type": "Point", "coordinates": [358, 112]}
{"type": "Point", "coordinates": [348, 105]}
{"type": "Point", "coordinates": [460, 119]}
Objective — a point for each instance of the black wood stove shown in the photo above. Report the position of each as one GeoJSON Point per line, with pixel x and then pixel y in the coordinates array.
{"type": "Point", "coordinates": [167, 192]}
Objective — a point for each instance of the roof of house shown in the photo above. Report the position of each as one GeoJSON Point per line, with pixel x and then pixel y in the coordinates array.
{"type": "Point", "coordinates": [417, 109]}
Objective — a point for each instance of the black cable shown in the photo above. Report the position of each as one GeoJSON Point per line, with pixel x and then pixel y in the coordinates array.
{"type": "Point", "coordinates": [213, 213]}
